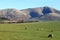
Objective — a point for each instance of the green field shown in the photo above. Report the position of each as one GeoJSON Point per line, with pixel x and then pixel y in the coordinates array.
{"type": "Point", "coordinates": [30, 31]}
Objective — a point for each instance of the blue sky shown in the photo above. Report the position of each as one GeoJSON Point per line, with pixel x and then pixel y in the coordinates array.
{"type": "Point", "coordinates": [23, 4]}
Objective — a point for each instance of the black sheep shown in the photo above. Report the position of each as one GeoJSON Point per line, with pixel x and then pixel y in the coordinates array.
{"type": "Point", "coordinates": [50, 35]}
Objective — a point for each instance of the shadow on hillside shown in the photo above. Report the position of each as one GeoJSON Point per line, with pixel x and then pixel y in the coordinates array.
{"type": "Point", "coordinates": [46, 10]}
{"type": "Point", "coordinates": [34, 14]}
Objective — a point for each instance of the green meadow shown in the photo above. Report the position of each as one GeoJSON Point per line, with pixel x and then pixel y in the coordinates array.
{"type": "Point", "coordinates": [30, 31]}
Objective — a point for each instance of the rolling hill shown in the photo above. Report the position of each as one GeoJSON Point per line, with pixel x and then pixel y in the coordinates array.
{"type": "Point", "coordinates": [43, 13]}
{"type": "Point", "coordinates": [30, 14]}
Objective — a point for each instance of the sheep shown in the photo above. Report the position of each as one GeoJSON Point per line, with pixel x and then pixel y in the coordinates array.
{"type": "Point", "coordinates": [25, 28]}
{"type": "Point", "coordinates": [51, 30]}
{"type": "Point", "coordinates": [50, 35]}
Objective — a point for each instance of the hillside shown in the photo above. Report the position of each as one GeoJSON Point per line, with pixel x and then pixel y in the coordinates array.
{"type": "Point", "coordinates": [43, 13]}
{"type": "Point", "coordinates": [13, 15]}
{"type": "Point", "coordinates": [30, 14]}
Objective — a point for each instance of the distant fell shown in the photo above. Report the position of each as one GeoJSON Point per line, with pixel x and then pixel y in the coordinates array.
{"type": "Point", "coordinates": [30, 14]}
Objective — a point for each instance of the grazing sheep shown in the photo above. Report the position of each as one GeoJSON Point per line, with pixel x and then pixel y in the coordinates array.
{"type": "Point", "coordinates": [25, 28]}
{"type": "Point", "coordinates": [51, 30]}
{"type": "Point", "coordinates": [50, 35]}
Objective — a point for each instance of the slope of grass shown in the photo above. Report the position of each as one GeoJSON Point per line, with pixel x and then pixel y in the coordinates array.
{"type": "Point", "coordinates": [30, 31]}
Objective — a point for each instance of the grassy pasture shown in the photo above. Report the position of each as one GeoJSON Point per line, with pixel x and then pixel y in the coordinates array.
{"type": "Point", "coordinates": [30, 31]}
